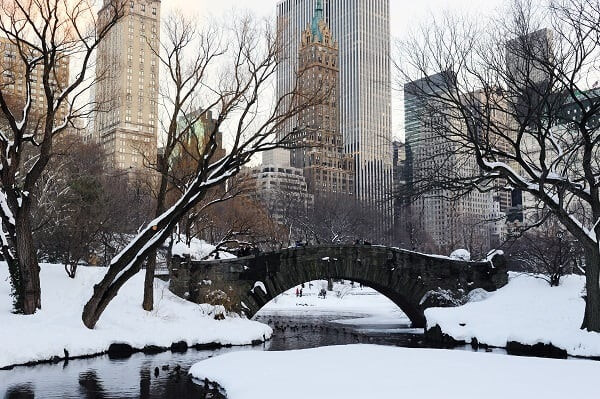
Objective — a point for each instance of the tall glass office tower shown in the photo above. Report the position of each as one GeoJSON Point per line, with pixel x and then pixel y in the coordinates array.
{"type": "Point", "coordinates": [362, 28]}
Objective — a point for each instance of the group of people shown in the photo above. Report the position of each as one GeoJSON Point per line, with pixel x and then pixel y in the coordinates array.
{"type": "Point", "coordinates": [322, 293]}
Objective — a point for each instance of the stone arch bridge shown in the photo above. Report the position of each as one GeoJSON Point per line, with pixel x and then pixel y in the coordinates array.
{"type": "Point", "coordinates": [407, 278]}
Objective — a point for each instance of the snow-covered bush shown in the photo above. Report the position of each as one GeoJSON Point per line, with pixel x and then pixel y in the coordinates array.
{"type": "Point", "coordinates": [477, 295]}
{"type": "Point", "coordinates": [224, 301]}
{"type": "Point", "coordinates": [443, 298]}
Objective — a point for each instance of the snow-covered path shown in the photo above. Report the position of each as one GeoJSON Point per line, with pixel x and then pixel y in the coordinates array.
{"type": "Point", "coordinates": [370, 371]}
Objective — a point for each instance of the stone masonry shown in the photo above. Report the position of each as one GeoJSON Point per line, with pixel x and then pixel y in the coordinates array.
{"type": "Point", "coordinates": [407, 278]}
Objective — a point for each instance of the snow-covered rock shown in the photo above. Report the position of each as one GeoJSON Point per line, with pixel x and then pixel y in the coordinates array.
{"type": "Point", "coordinates": [370, 371]}
{"type": "Point", "coordinates": [58, 324]}
{"type": "Point", "coordinates": [528, 311]}
{"type": "Point", "coordinates": [461, 254]}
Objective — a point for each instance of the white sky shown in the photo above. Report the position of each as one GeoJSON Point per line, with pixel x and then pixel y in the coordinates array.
{"type": "Point", "coordinates": [404, 14]}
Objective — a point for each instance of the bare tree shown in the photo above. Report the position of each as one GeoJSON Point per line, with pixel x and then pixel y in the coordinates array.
{"type": "Point", "coordinates": [239, 90]}
{"type": "Point", "coordinates": [521, 109]}
{"type": "Point", "coordinates": [44, 37]}
{"type": "Point", "coordinates": [341, 219]}
{"type": "Point", "coordinates": [239, 223]}
{"type": "Point", "coordinates": [548, 252]}
{"type": "Point", "coordinates": [186, 55]}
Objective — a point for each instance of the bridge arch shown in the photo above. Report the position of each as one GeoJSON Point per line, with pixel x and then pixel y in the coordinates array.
{"type": "Point", "coordinates": [405, 277]}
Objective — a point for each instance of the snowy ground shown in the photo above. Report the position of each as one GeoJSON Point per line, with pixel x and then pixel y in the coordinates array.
{"type": "Point", "coordinates": [58, 325]}
{"type": "Point", "coordinates": [369, 371]}
{"type": "Point", "coordinates": [344, 299]}
{"type": "Point", "coordinates": [527, 310]}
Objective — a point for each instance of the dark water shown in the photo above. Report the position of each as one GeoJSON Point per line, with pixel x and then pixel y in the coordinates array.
{"type": "Point", "coordinates": [165, 375]}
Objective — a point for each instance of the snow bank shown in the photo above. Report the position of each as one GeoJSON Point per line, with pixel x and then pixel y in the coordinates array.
{"type": "Point", "coordinates": [527, 310]}
{"type": "Point", "coordinates": [58, 325]}
{"type": "Point", "coordinates": [198, 250]}
{"type": "Point", "coordinates": [370, 371]}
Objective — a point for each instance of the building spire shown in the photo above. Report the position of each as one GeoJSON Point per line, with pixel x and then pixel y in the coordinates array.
{"type": "Point", "coordinates": [317, 18]}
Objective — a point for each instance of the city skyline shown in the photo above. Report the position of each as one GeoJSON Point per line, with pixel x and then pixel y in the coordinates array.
{"type": "Point", "coordinates": [404, 15]}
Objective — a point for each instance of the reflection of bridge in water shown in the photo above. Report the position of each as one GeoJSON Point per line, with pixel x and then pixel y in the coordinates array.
{"type": "Point", "coordinates": [403, 276]}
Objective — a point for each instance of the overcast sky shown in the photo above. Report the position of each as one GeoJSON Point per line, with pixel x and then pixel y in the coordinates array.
{"type": "Point", "coordinates": [405, 14]}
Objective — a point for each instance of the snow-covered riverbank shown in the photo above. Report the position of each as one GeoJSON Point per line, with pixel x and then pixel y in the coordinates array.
{"type": "Point", "coordinates": [369, 371]}
{"type": "Point", "coordinates": [527, 311]}
{"type": "Point", "coordinates": [58, 325]}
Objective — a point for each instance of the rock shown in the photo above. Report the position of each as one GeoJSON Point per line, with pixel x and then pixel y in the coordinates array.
{"type": "Point", "coordinates": [437, 337]}
{"type": "Point", "coordinates": [474, 343]}
{"type": "Point", "coordinates": [179, 347]}
{"type": "Point", "coordinates": [153, 349]}
{"type": "Point", "coordinates": [219, 316]}
{"type": "Point", "coordinates": [120, 351]}
{"type": "Point", "coordinates": [208, 346]}
{"type": "Point", "coordinates": [537, 350]}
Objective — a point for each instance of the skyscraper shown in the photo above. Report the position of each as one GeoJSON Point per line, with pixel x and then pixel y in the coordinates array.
{"type": "Point", "coordinates": [13, 83]}
{"type": "Point", "coordinates": [450, 221]}
{"type": "Point", "coordinates": [127, 95]}
{"type": "Point", "coordinates": [362, 28]}
{"type": "Point", "coordinates": [319, 145]}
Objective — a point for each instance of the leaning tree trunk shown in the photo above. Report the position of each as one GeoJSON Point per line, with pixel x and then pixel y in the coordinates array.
{"type": "Point", "coordinates": [148, 302]}
{"type": "Point", "coordinates": [30, 292]}
{"type": "Point", "coordinates": [591, 320]}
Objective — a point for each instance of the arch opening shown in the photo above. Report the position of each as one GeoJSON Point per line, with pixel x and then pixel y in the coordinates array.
{"type": "Point", "coordinates": [410, 310]}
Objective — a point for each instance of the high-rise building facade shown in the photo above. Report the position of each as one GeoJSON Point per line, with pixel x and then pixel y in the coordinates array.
{"type": "Point", "coordinates": [317, 144]}
{"type": "Point", "coordinates": [450, 222]}
{"type": "Point", "coordinates": [13, 84]}
{"type": "Point", "coordinates": [126, 97]}
{"type": "Point", "coordinates": [362, 29]}
{"type": "Point", "coordinates": [281, 189]}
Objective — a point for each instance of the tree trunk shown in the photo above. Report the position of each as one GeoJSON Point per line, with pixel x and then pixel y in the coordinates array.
{"type": "Point", "coordinates": [148, 303]}
{"type": "Point", "coordinates": [29, 269]}
{"type": "Point", "coordinates": [591, 320]}
{"type": "Point", "coordinates": [104, 292]}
